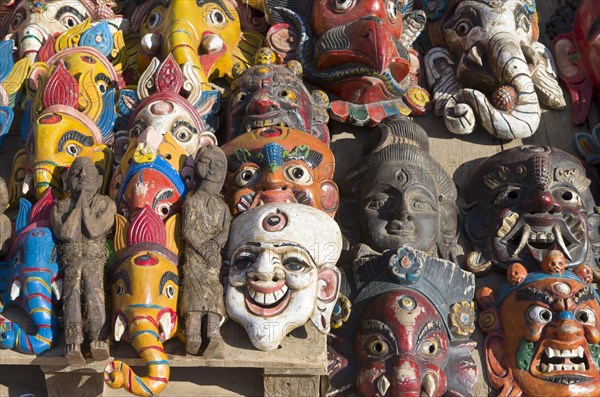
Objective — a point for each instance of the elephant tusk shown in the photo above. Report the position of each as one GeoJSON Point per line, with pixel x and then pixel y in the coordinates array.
{"type": "Point", "coordinates": [15, 290]}
{"type": "Point", "coordinates": [57, 288]}
{"type": "Point", "coordinates": [151, 43]}
{"type": "Point", "coordinates": [211, 43]}
{"type": "Point", "coordinates": [475, 55]}
{"type": "Point", "coordinates": [166, 325]}
{"type": "Point", "coordinates": [120, 325]}
{"type": "Point", "coordinates": [429, 384]}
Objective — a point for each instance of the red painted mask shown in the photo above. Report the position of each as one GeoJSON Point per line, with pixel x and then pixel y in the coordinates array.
{"type": "Point", "coordinates": [403, 347]}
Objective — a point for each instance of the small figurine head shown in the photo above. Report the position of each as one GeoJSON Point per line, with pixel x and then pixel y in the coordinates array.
{"type": "Point", "coordinates": [278, 164]}
{"type": "Point", "coordinates": [83, 177]}
{"type": "Point", "coordinates": [543, 335]}
{"type": "Point", "coordinates": [211, 168]}
{"type": "Point", "coordinates": [282, 271]}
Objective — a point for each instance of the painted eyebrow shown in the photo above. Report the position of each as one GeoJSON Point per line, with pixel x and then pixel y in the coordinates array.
{"type": "Point", "coordinates": [584, 295]}
{"type": "Point", "coordinates": [166, 277]}
{"type": "Point", "coordinates": [431, 326]}
{"type": "Point", "coordinates": [378, 326]}
{"type": "Point", "coordinates": [65, 9]}
{"type": "Point", "coordinates": [122, 275]}
{"type": "Point", "coordinates": [179, 123]}
{"type": "Point", "coordinates": [200, 3]}
{"type": "Point", "coordinates": [74, 136]}
{"type": "Point", "coordinates": [533, 294]}
{"type": "Point", "coordinates": [164, 194]}
{"type": "Point", "coordinates": [103, 77]}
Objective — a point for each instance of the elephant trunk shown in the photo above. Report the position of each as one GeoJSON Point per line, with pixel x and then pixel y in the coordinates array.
{"type": "Point", "coordinates": [515, 112]}
{"type": "Point", "coordinates": [37, 299]}
{"type": "Point", "coordinates": [181, 41]}
{"type": "Point", "coordinates": [146, 341]}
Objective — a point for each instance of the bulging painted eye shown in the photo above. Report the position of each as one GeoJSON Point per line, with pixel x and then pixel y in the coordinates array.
{"type": "Point", "coordinates": [247, 176]}
{"type": "Point", "coordinates": [463, 28]}
{"type": "Point", "coordinates": [430, 348]}
{"type": "Point", "coordinates": [163, 210]}
{"type": "Point", "coordinates": [244, 262]}
{"type": "Point", "coordinates": [295, 264]}
{"type": "Point", "coordinates": [72, 150]}
{"type": "Point", "coordinates": [378, 348]}
{"type": "Point", "coordinates": [343, 5]}
{"type": "Point", "coordinates": [298, 174]}
{"type": "Point", "coordinates": [217, 17]}
{"type": "Point", "coordinates": [586, 316]}
{"type": "Point", "coordinates": [392, 10]}
{"type": "Point", "coordinates": [170, 292]}
{"type": "Point", "coordinates": [540, 314]}
{"type": "Point", "coordinates": [119, 289]}
{"type": "Point", "coordinates": [154, 19]}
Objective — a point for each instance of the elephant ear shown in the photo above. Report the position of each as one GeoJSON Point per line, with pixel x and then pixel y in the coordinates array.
{"type": "Point", "coordinates": [572, 72]}
{"type": "Point", "coordinates": [23, 215]}
{"type": "Point", "coordinates": [120, 239]}
{"type": "Point", "coordinates": [440, 70]}
{"type": "Point", "coordinates": [500, 377]}
{"type": "Point", "coordinates": [327, 294]}
{"type": "Point", "coordinates": [173, 233]}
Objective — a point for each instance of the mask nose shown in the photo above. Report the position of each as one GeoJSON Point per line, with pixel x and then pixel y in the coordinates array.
{"type": "Point", "coordinates": [262, 103]}
{"type": "Point", "coordinates": [541, 202]}
{"type": "Point", "coordinates": [266, 268]}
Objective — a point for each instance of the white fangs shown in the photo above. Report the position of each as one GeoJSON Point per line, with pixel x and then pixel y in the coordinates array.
{"type": "Point", "coordinates": [429, 385]}
{"type": "Point", "coordinates": [269, 298]}
{"type": "Point", "coordinates": [383, 384]}
{"type": "Point", "coordinates": [565, 366]}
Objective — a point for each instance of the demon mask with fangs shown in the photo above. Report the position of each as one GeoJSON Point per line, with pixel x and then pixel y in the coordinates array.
{"type": "Point", "coordinates": [526, 201]}
{"type": "Point", "coordinates": [543, 331]}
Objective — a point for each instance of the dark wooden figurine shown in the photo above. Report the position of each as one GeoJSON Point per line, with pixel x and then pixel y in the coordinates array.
{"type": "Point", "coordinates": [206, 220]}
{"type": "Point", "coordinates": [81, 222]}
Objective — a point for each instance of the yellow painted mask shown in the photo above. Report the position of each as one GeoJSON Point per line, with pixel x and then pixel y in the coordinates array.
{"type": "Point", "coordinates": [144, 289]}
{"type": "Point", "coordinates": [61, 135]}
{"type": "Point", "coordinates": [205, 32]}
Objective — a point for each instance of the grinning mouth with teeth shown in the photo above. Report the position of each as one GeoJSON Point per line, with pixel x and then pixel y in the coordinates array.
{"type": "Point", "coordinates": [252, 199]}
{"type": "Point", "coordinates": [555, 365]}
{"type": "Point", "coordinates": [252, 123]}
{"type": "Point", "coordinates": [540, 234]}
{"type": "Point", "coordinates": [267, 300]}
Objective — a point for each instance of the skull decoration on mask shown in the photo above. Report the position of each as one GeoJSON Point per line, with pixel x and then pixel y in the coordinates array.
{"type": "Point", "coordinates": [204, 33]}
{"type": "Point", "coordinates": [543, 333]}
{"type": "Point", "coordinates": [282, 271]}
{"type": "Point", "coordinates": [33, 22]}
{"type": "Point", "coordinates": [274, 95]}
{"type": "Point", "coordinates": [166, 130]}
{"type": "Point", "coordinates": [402, 196]}
{"type": "Point", "coordinates": [526, 201]}
{"type": "Point", "coordinates": [485, 64]}
{"type": "Point", "coordinates": [279, 164]}
{"type": "Point", "coordinates": [355, 50]}
{"type": "Point", "coordinates": [411, 333]}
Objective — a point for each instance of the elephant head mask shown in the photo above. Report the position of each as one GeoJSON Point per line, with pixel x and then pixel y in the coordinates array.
{"type": "Point", "coordinates": [487, 64]}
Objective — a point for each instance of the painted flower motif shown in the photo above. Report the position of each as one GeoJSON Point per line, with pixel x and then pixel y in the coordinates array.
{"type": "Point", "coordinates": [38, 6]}
{"type": "Point", "coordinates": [405, 266]}
{"type": "Point", "coordinates": [434, 8]}
{"type": "Point", "coordinates": [462, 318]}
